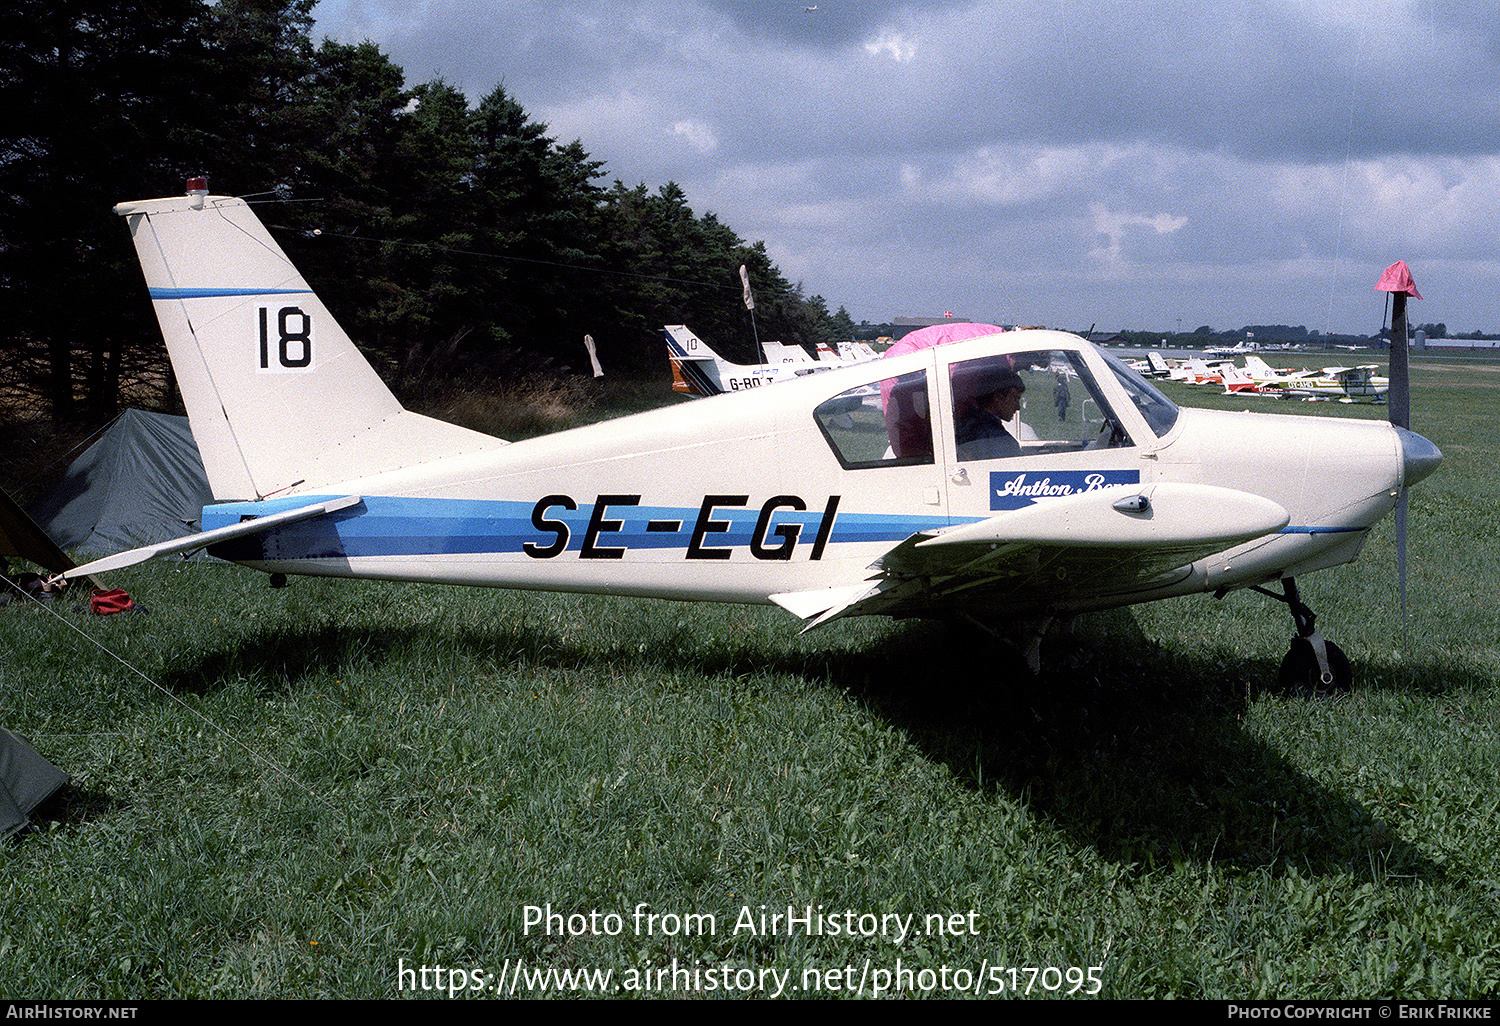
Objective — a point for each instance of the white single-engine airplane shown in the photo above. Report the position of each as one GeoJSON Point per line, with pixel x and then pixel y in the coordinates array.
{"type": "Point", "coordinates": [894, 492]}
{"type": "Point", "coordinates": [698, 370]}
{"type": "Point", "coordinates": [1243, 346]}
{"type": "Point", "coordinates": [1346, 384]}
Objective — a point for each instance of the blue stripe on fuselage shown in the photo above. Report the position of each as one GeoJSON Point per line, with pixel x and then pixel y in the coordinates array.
{"type": "Point", "coordinates": [398, 526]}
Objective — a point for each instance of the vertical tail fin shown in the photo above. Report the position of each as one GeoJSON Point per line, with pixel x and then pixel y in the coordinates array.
{"type": "Point", "coordinates": [279, 398]}
{"type": "Point", "coordinates": [1200, 373]}
{"type": "Point", "coordinates": [696, 369]}
{"type": "Point", "coordinates": [1236, 380]}
{"type": "Point", "coordinates": [779, 352]}
{"type": "Point", "coordinates": [1256, 367]}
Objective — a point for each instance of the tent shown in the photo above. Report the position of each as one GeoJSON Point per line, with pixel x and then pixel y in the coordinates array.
{"type": "Point", "coordinates": [20, 536]}
{"type": "Point", "coordinates": [26, 780]}
{"type": "Point", "coordinates": [142, 482]}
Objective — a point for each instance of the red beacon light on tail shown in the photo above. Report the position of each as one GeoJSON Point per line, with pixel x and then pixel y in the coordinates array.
{"type": "Point", "coordinates": [197, 190]}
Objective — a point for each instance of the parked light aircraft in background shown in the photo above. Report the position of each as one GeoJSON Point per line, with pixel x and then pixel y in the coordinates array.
{"type": "Point", "coordinates": [1262, 372]}
{"type": "Point", "coordinates": [780, 352]}
{"type": "Point", "coordinates": [857, 352]}
{"type": "Point", "coordinates": [847, 352]}
{"type": "Point", "coordinates": [1243, 346]}
{"type": "Point", "coordinates": [871, 505]}
{"type": "Point", "coordinates": [698, 370]}
{"type": "Point", "coordinates": [1238, 382]}
{"type": "Point", "coordinates": [1346, 384]}
{"type": "Point", "coordinates": [1158, 367]}
{"type": "Point", "coordinates": [1201, 372]}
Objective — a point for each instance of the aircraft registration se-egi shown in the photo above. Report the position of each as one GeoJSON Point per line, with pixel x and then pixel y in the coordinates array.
{"type": "Point", "coordinates": [875, 503]}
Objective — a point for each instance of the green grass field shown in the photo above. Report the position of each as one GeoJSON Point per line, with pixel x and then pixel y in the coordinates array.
{"type": "Point", "coordinates": [362, 790]}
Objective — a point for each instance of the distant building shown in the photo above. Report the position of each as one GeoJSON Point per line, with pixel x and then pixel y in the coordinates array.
{"type": "Point", "coordinates": [927, 322]}
{"type": "Point", "coordinates": [1462, 345]}
{"type": "Point", "coordinates": [1104, 338]}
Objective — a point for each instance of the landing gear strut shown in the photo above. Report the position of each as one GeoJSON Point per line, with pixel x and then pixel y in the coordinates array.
{"type": "Point", "coordinates": [1314, 665]}
{"type": "Point", "coordinates": [1028, 641]}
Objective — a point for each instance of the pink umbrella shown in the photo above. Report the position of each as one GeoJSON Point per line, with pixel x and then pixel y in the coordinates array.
{"type": "Point", "coordinates": [939, 335]}
{"type": "Point", "coordinates": [909, 432]}
{"type": "Point", "coordinates": [1395, 278]}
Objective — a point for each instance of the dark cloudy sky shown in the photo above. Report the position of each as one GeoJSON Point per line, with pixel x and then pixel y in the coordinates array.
{"type": "Point", "coordinates": [1130, 163]}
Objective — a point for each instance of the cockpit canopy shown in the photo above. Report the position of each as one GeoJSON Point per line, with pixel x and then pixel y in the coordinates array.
{"type": "Point", "coordinates": [992, 406]}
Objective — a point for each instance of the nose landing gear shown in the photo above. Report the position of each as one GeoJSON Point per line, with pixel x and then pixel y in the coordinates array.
{"type": "Point", "coordinates": [1313, 666]}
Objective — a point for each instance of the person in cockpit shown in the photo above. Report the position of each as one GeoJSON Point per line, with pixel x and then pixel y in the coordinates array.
{"type": "Point", "coordinates": [980, 429]}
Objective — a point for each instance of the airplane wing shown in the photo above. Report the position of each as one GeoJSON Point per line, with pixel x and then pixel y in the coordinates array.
{"type": "Point", "coordinates": [218, 534]}
{"type": "Point", "coordinates": [1097, 543]}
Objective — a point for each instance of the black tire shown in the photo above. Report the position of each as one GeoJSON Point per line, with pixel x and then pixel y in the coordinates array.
{"type": "Point", "coordinates": [1300, 675]}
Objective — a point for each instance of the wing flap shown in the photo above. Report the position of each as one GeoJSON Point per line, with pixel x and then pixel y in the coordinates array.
{"type": "Point", "coordinates": [819, 606]}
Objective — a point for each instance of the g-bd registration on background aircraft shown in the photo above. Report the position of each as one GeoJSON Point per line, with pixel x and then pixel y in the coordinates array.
{"type": "Point", "coordinates": [1115, 497]}
{"type": "Point", "coordinates": [698, 370]}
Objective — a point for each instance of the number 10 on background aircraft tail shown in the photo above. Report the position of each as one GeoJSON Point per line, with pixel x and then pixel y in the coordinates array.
{"type": "Point", "coordinates": [696, 369]}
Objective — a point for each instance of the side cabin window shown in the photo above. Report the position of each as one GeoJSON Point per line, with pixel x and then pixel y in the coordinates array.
{"type": "Point", "coordinates": [1028, 404]}
{"type": "Point", "coordinates": [883, 424]}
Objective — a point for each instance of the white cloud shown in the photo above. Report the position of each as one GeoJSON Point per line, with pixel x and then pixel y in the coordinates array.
{"type": "Point", "coordinates": [1251, 161]}
{"type": "Point", "coordinates": [1115, 225]}
{"type": "Point", "coordinates": [1008, 175]}
{"type": "Point", "coordinates": [1417, 206]}
{"type": "Point", "coordinates": [696, 134]}
{"type": "Point", "coordinates": [893, 45]}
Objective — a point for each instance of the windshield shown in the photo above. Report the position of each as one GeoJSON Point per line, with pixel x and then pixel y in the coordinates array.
{"type": "Point", "coordinates": [1159, 411]}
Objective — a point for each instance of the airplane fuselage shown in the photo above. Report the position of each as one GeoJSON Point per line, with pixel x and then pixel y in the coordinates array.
{"type": "Point", "coordinates": [739, 497]}
{"type": "Point", "coordinates": [1014, 474]}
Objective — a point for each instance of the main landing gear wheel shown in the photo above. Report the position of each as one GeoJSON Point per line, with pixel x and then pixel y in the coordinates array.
{"type": "Point", "coordinates": [1303, 673]}
{"type": "Point", "coordinates": [1314, 666]}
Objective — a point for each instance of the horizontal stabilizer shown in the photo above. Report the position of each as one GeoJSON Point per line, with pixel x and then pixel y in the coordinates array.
{"type": "Point", "coordinates": [196, 541]}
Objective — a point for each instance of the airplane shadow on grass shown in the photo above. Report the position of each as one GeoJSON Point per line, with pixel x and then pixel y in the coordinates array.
{"type": "Point", "coordinates": [1133, 750]}
{"type": "Point", "coordinates": [1124, 746]}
